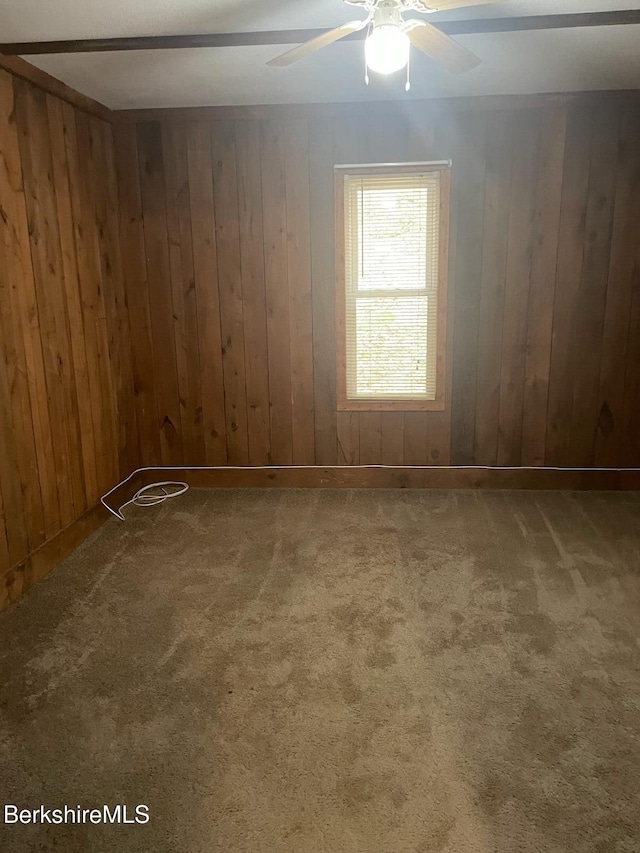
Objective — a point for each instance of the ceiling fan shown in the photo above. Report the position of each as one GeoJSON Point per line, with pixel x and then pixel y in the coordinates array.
{"type": "Point", "coordinates": [390, 36]}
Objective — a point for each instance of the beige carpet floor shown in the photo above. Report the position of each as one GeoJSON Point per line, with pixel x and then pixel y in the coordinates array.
{"type": "Point", "coordinates": [335, 672]}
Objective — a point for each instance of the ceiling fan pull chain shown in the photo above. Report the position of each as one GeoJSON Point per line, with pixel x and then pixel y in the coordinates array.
{"type": "Point", "coordinates": [407, 85]}
{"type": "Point", "coordinates": [366, 66]}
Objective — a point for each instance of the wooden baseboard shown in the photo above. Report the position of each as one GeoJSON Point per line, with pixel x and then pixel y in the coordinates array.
{"type": "Point", "coordinates": [380, 477]}
{"type": "Point", "coordinates": [18, 579]}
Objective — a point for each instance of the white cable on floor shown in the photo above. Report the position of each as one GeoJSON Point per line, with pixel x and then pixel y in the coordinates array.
{"type": "Point", "coordinates": [183, 486]}
{"type": "Point", "coordinates": [146, 497]}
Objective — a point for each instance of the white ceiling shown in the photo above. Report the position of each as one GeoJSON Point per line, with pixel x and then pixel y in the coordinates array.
{"type": "Point", "coordinates": [512, 63]}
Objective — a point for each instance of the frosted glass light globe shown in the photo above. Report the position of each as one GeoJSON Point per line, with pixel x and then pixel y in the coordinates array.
{"type": "Point", "coordinates": [387, 49]}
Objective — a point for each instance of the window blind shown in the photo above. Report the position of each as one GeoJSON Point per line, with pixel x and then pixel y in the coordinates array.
{"type": "Point", "coordinates": [391, 284]}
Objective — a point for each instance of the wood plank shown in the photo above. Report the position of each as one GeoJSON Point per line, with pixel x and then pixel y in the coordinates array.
{"type": "Point", "coordinates": [416, 449]}
{"type": "Point", "coordinates": [16, 283]}
{"type": "Point", "coordinates": [13, 515]}
{"type": "Point", "coordinates": [137, 292]}
{"type": "Point", "coordinates": [78, 403]}
{"type": "Point", "coordinates": [225, 192]}
{"type": "Point", "coordinates": [153, 193]}
{"type": "Point", "coordinates": [5, 559]}
{"type": "Point", "coordinates": [46, 255]}
{"type": "Point", "coordinates": [468, 177]}
{"type": "Point", "coordinates": [370, 441]}
{"type": "Point", "coordinates": [185, 312]}
{"type": "Point", "coordinates": [543, 285]}
{"type": "Point", "coordinates": [570, 257]}
{"type": "Point", "coordinates": [348, 436]}
{"type": "Point", "coordinates": [277, 291]}
{"type": "Point", "coordinates": [25, 310]}
{"type": "Point", "coordinates": [247, 135]}
{"type": "Point", "coordinates": [611, 448]}
{"type": "Point", "coordinates": [518, 279]}
{"type": "Point", "coordinates": [321, 203]}
{"type": "Point", "coordinates": [392, 449]}
{"type": "Point", "coordinates": [296, 149]}
{"type": "Point", "coordinates": [492, 289]}
{"type": "Point", "coordinates": [81, 181]}
{"type": "Point", "coordinates": [630, 447]}
{"type": "Point", "coordinates": [205, 267]}
{"type": "Point", "coordinates": [589, 316]}
{"type": "Point", "coordinates": [128, 447]}
{"type": "Point", "coordinates": [116, 327]}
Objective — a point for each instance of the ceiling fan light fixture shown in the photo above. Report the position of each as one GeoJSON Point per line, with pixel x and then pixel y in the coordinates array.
{"type": "Point", "coordinates": [387, 49]}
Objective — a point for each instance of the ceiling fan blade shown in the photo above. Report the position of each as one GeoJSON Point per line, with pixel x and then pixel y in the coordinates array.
{"type": "Point", "coordinates": [449, 53]}
{"type": "Point", "coordinates": [445, 5]}
{"type": "Point", "coordinates": [317, 43]}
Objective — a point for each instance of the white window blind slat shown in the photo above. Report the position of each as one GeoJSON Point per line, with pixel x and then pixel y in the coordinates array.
{"type": "Point", "coordinates": [391, 284]}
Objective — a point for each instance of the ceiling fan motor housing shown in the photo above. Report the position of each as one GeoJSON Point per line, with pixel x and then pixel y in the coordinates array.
{"type": "Point", "coordinates": [388, 14]}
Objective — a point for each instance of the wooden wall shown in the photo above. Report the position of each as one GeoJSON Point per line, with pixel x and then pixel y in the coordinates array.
{"type": "Point", "coordinates": [227, 221]}
{"type": "Point", "coordinates": [67, 421]}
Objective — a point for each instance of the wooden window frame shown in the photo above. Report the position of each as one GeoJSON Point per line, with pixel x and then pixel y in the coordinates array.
{"type": "Point", "coordinates": [438, 404]}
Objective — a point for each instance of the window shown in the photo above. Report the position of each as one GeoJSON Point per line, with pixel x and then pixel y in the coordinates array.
{"type": "Point", "coordinates": [392, 230]}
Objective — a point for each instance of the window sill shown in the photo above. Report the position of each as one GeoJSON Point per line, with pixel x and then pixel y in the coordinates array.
{"type": "Point", "coordinates": [391, 406]}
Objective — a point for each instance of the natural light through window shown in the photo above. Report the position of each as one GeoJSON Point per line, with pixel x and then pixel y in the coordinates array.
{"type": "Point", "coordinates": [392, 252]}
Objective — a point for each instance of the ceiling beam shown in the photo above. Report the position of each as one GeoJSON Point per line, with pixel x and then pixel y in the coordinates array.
{"type": "Point", "coordinates": [275, 37]}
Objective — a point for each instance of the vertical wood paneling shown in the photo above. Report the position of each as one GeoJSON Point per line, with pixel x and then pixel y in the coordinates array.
{"type": "Point", "coordinates": [321, 203]}
{"type": "Point", "coordinates": [151, 156]}
{"type": "Point", "coordinates": [610, 438]}
{"type": "Point", "coordinates": [185, 312]}
{"type": "Point", "coordinates": [16, 282]}
{"type": "Point", "coordinates": [253, 289]}
{"type": "Point", "coordinates": [82, 181]}
{"type": "Point", "coordinates": [468, 179]}
{"type": "Point", "coordinates": [46, 256]}
{"type": "Point", "coordinates": [370, 440]}
{"type": "Point", "coordinates": [348, 435]}
{"type": "Point", "coordinates": [223, 153]}
{"type": "Point", "coordinates": [630, 434]}
{"type": "Point", "coordinates": [539, 264]}
{"type": "Point", "coordinates": [136, 285]}
{"type": "Point", "coordinates": [296, 151]}
{"type": "Point", "coordinates": [575, 176]}
{"type": "Point", "coordinates": [82, 445]}
{"type": "Point", "coordinates": [118, 325]}
{"type": "Point", "coordinates": [63, 391]}
{"type": "Point", "coordinates": [14, 531]}
{"type": "Point", "coordinates": [543, 286]}
{"type": "Point", "coordinates": [118, 344]}
{"type": "Point", "coordinates": [592, 293]}
{"type": "Point", "coordinates": [518, 280]}
{"type": "Point", "coordinates": [492, 288]}
{"type": "Point", "coordinates": [205, 266]}
{"type": "Point", "coordinates": [392, 439]}
{"type": "Point", "coordinates": [274, 203]}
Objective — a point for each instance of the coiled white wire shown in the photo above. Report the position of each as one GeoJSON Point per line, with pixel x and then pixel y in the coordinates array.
{"type": "Point", "coordinates": [151, 495]}
{"type": "Point", "coordinates": [182, 487]}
